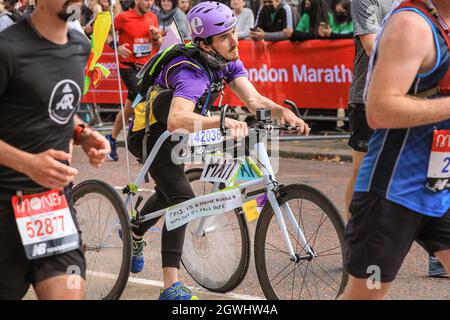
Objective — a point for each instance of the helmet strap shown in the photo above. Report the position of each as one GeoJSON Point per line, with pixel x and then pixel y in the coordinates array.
{"type": "Point", "coordinates": [213, 59]}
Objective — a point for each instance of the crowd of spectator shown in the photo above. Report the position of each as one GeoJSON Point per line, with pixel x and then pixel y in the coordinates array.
{"type": "Point", "coordinates": [270, 20]}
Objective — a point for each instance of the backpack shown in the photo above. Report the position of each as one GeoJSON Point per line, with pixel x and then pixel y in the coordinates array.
{"type": "Point", "coordinates": [156, 64]}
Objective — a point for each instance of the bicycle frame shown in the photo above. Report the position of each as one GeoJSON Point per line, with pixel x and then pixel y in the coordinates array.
{"type": "Point", "coordinates": [267, 179]}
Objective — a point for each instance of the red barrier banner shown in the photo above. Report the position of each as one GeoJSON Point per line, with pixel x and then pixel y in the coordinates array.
{"type": "Point", "coordinates": [314, 74]}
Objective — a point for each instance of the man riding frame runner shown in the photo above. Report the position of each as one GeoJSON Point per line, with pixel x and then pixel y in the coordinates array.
{"type": "Point", "coordinates": [195, 73]}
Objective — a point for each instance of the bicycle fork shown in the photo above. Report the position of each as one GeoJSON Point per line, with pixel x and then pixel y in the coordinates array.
{"type": "Point", "coordinates": [295, 257]}
{"type": "Point", "coordinates": [272, 186]}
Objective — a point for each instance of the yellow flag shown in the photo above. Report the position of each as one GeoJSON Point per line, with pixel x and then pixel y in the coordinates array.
{"type": "Point", "coordinates": [102, 25]}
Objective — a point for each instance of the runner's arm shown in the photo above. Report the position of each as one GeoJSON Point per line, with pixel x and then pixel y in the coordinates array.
{"type": "Point", "coordinates": [182, 118]}
{"type": "Point", "coordinates": [245, 91]}
{"type": "Point", "coordinates": [43, 168]}
{"type": "Point", "coordinates": [400, 58]}
{"type": "Point", "coordinates": [368, 40]}
{"type": "Point", "coordinates": [14, 158]}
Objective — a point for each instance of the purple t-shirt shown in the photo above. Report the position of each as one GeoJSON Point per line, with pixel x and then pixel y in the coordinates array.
{"type": "Point", "coordinates": [191, 83]}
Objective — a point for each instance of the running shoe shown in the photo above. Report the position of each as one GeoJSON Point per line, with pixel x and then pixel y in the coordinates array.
{"type": "Point", "coordinates": [435, 268]}
{"type": "Point", "coordinates": [177, 292]}
{"type": "Point", "coordinates": [113, 156]}
{"type": "Point", "coordinates": [137, 261]}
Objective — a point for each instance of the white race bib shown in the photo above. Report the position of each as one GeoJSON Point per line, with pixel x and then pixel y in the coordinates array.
{"type": "Point", "coordinates": [142, 49]}
{"type": "Point", "coordinates": [45, 224]}
{"type": "Point", "coordinates": [438, 175]}
{"type": "Point", "coordinates": [205, 137]}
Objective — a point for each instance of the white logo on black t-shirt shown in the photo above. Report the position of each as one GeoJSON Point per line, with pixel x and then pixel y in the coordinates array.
{"type": "Point", "coordinates": [64, 101]}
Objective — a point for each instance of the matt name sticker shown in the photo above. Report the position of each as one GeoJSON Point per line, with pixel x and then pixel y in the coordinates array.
{"type": "Point", "coordinates": [439, 165]}
{"type": "Point", "coordinates": [219, 169]}
{"type": "Point", "coordinates": [45, 224]}
{"type": "Point", "coordinates": [207, 205]}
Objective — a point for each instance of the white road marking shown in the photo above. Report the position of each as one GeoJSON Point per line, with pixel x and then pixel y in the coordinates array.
{"type": "Point", "coordinates": [160, 284]}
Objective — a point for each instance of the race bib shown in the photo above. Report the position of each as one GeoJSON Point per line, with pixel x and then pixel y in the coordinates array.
{"type": "Point", "coordinates": [45, 224]}
{"type": "Point", "coordinates": [205, 137]}
{"type": "Point", "coordinates": [439, 166]}
{"type": "Point", "coordinates": [142, 48]}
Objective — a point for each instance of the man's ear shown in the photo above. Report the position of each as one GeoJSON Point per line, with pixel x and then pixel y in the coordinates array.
{"type": "Point", "coordinates": [204, 46]}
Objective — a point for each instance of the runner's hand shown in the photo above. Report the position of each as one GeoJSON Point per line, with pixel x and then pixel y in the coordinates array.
{"type": "Point", "coordinates": [238, 129]}
{"type": "Point", "coordinates": [289, 118]}
{"type": "Point", "coordinates": [155, 33]}
{"type": "Point", "coordinates": [45, 169]}
{"type": "Point", "coordinates": [288, 32]}
{"type": "Point", "coordinates": [95, 146]}
{"type": "Point", "coordinates": [123, 50]}
{"type": "Point", "coordinates": [258, 34]}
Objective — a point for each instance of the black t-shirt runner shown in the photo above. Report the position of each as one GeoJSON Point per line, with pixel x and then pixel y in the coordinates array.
{"type": "Point", "coordinates": [41, 85]}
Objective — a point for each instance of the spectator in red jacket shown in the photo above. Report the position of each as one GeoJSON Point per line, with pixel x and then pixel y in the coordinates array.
{"type": "Point", "coordinates": [139, 39]}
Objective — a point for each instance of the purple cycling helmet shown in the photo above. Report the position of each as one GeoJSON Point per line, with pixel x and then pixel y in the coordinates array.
{"type": "Point", "coordinates": [210, 18]}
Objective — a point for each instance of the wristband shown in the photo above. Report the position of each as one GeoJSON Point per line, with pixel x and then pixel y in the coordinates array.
{"type": "Point", "coordinates": [78, 131]}
{"type": "Point", "coordinates": [111, 44]}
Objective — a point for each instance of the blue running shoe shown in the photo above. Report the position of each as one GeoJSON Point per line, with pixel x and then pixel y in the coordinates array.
{"type": "Point", "coordinates": [177, 292]}
{"type": "Point", "coordinates": [137, 261]}
{"type": "Point", "coordinates": [113, 156]}
{"type": "Point", "coordinates": [435, 268]}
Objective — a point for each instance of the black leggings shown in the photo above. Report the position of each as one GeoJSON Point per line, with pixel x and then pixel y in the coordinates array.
{"type": "Point", "coordinates": [172, 187]}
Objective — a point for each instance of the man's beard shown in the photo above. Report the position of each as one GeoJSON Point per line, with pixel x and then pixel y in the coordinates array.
{"type": "Point", "coordinates": [142, 10]}
{"type": "Point", "coordinates": [236, 56]}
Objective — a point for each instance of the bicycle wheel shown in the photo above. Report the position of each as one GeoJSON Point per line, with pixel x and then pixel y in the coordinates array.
{"type": "Point", "coordinates": [218, 259]}
{"type": "Point", "coordinates": [323, 277]}
{"type": "Point", "coordinates": [100, 214]}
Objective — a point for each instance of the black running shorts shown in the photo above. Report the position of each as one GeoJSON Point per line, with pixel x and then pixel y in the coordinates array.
{"type": "Point", "coordinates": [360, 132]}
{"type": "Point", "coordinates": [380, 233]}
{"type": "Point", "coordinates": [129, 78]}
{"type": "Point", "coordinates": [16, 271]}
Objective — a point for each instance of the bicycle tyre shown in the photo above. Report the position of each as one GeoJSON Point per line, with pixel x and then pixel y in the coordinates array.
{"type": "Point", "coordinates": [81, 195]}
{"type": "Point", "coordinates": [241, 269]}
{"type": "Point", "coordinates": [296, 192]}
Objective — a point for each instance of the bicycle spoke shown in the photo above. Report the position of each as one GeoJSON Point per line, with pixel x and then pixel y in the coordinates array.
{"type": "Point", "coordinates": [317, 231]}
{"type": "Point", "coordinates": [315, 282]}
{"type": "Point", "coordinates": [324, 281]}
{"type": "Point", "coordinates": [300, 215]}
{"type": "Point", "coordinates": [320, 253]}
{"type": "Point", "coordinates": [296, 240]}
{"type": "Point", "coordinates": [293, 270]}
{"type": "Point", "coordinates": [293, 281]}
{"type": "Point", "coordinates": [301, 288]}
{"type": "Point", "coordinates": [280, 273]}
{"type": "Point", "coordinates": [106, 223]}
{"type": "Point", "coordinates": [329, 276]}
{"type": "Point", "coordinates": [328, 255]}
{"type": "Point", "coordinates": [91, 219]}
{"type": "Point", "coordinates": [278, 249]}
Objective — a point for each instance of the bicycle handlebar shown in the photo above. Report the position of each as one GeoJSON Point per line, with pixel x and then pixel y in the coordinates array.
{"type": "Point", "coordinates": [293, 107]}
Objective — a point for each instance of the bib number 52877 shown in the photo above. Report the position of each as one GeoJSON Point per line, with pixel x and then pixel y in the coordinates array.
{"type": "Point", "coordinates": [45, 224]}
